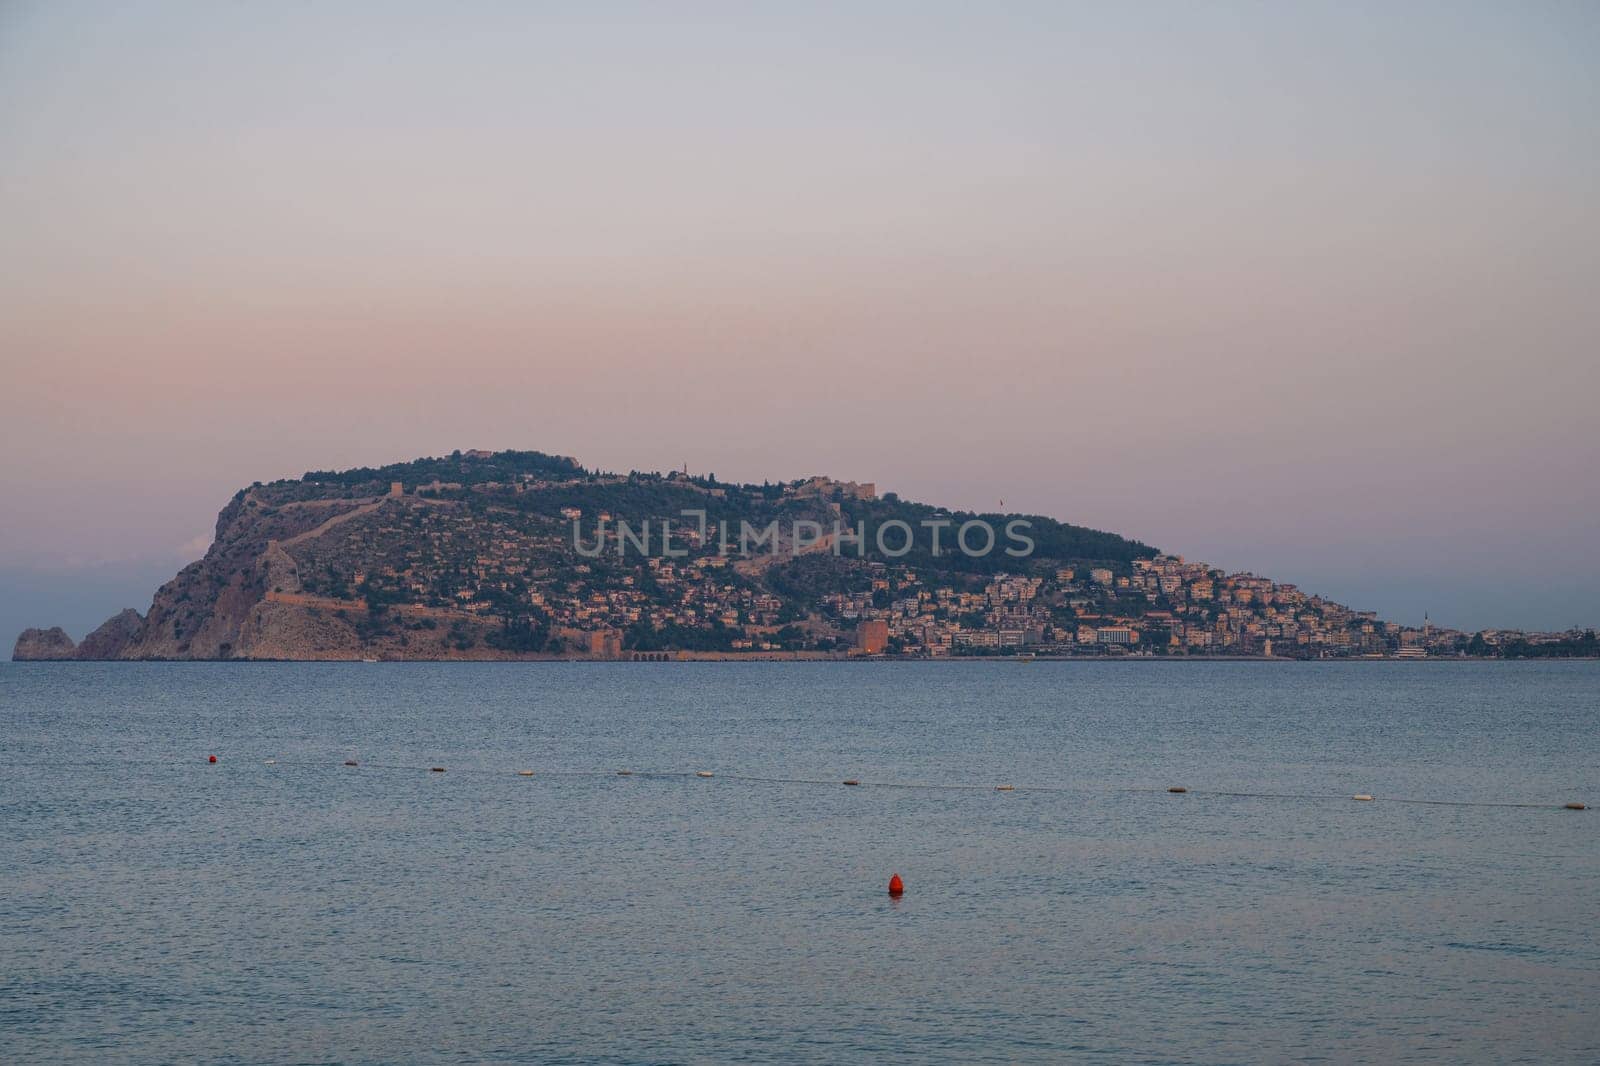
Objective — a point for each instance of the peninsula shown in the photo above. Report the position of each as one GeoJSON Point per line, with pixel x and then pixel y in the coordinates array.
{"type": "Point", "coordinates": [523, 555]}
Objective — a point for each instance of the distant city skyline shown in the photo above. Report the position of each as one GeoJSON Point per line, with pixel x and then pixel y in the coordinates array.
{"type": "Point", "coordinates": [1301, 290]}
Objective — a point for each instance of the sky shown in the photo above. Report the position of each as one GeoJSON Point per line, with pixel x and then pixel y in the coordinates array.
{"type": "Point", "coordinates": [1304, 289]}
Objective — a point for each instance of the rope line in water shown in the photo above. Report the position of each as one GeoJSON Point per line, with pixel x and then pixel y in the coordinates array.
{"type": "Point", "coordinates": [963, 787]}
{"type": "Point", "coordinates": [932, 786]}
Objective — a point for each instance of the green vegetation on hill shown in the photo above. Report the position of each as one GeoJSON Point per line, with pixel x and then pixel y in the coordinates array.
{"type": "Point", "coordinates": [459, 467]}
{"type": "Point", "coordinates": [563, 483]}
{"type": "Point", "coordinates": [1586, 646]}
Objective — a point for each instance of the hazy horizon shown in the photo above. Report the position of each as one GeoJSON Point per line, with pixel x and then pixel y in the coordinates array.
{"type": "Point", "coordinates": [1307, 291]}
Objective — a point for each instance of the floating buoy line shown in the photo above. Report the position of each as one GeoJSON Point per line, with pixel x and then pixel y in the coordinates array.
{"type": "Point", "coordinates": [939, 786]}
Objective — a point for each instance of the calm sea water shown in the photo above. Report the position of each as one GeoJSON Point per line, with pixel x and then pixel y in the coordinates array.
{"type": "Point", "coordinates": [156, 907]}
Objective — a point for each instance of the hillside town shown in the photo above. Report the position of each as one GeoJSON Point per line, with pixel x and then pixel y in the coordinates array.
{"type": "Point", "coordinates": [519, 554]}
{"type": "Point", "coordinates": [1164, 606]}
{"type": "Point", "coordinates": [435, 558]}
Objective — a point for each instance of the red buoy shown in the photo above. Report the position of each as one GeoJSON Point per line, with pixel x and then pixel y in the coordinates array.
{"type": "Point", "coordinates": [897, 887]}
{"type": "Point", "coordinates": [211, 758]}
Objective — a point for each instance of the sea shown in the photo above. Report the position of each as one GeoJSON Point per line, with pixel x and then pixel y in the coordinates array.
{"type": "Point", "coordinates": [281, 905]}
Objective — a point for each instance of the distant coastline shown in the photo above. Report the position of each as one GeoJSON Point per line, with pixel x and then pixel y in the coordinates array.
{"type": "Point", "coordinates": [769, 657]}
{"type": "Point", "coordinates": [527, 556]}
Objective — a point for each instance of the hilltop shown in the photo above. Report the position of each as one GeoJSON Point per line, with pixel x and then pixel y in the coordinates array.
{"type": "Point", "coordinates": [520, 554]}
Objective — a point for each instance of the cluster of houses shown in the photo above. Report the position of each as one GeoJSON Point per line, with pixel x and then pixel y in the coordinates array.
{"type": "Point", "coordinates": [1162, 605]}
{"type": "Point", "coordinates": [453, 560]}
{"type": "Point", "coordinates": [442, 563]}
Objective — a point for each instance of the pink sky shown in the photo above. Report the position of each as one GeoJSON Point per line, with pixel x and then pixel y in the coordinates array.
{"type": "Point", "coordinates": [1308, 290]}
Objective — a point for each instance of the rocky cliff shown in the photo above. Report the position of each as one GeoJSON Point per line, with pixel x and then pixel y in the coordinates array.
{"type": "Point", "coordinates": [245, 598]}
{"type": "Point", "coordinates": [114, 636]}
{"type": "Point", "coordinates": [43, 644]}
